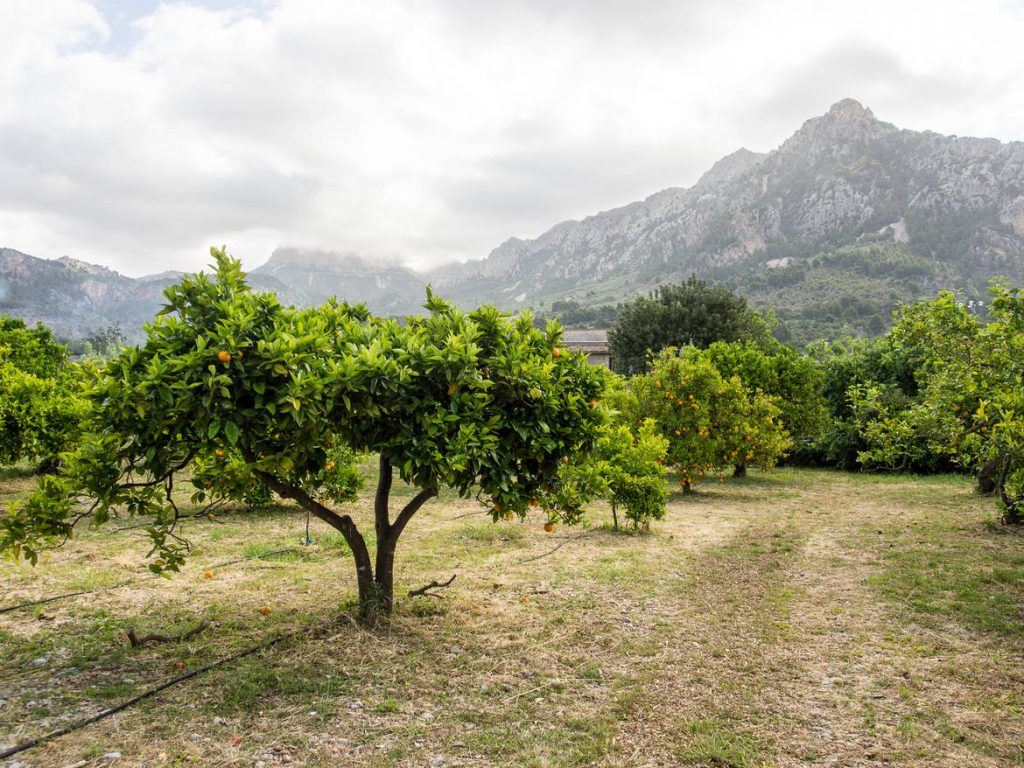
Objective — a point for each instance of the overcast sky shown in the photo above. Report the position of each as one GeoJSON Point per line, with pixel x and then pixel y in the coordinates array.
{"type": "Point", "coordinates": [134, 134]}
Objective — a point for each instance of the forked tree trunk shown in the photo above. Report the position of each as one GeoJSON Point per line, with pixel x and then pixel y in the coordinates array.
{"type": "Point", "coordinates": [740, 470]}
{"type": "Point", "coordinates": [376, 582]}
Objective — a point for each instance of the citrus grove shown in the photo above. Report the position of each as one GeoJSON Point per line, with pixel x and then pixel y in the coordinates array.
{"type": "Point", "coordinates": [240, 398]}
{"type": "Point", "coordinates": [232, 390]}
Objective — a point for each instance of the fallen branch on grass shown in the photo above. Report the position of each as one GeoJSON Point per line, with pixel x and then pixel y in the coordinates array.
{"type": "Point", "coordinates": [156, 637]}
{"type": "Point", "coordinates": [424, 591]}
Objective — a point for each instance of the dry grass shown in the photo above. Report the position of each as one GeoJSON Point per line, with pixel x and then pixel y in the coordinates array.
{"type": "Point", "coordinates": [794, 618]}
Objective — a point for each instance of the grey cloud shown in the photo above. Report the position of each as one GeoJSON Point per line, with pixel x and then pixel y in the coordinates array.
{"type": "Point", "coordinates": [875, 76]}
{"type": "Point", "coordinates": [545, 182]}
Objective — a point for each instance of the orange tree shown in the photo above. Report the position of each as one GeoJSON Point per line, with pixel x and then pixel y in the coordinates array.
{"type": "Point", "coordinates": [232, 389]}
{"type": "Point", "coordinates": [709, 420]}
{"type": "Point", "coordinates": [40, 406]}
{"type": "Point", "coordinates": [790, 380]}
{"type": "Point", "coordinates": [971, 373]}
{"type": "Point", "coordinates": [626, 468]}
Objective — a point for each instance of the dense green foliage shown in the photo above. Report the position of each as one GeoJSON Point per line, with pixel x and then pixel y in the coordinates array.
{"type": "Point", "coordinates": [690, 313]}
{"type": "Point", "coordinates": [241, 390]}
{"type": "Point", "coordinates": [847, 291]}
{"type": "Point", "coordinates": [865, 381]}
{"type": "Point", "coordinates": [793, 380]}
{"type": "Point", "coordinates": [573, 314]}
{"type": "Point", "coordinates": [710, 421]}
{"type": "Point", "coordinates": [626, 468]}
{"type": "Point", "coordinates": [970, 372]}
{"type": "Point", "coordinates": [40, 406]}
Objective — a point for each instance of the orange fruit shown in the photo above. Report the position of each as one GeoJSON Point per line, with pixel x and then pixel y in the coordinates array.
{"type": "Point", "coordinates": [265, 610]}
{"type": "Point", "coordinates": [330, 465]}
{"type": "Point", "coordinates": [208, 574]}
{"type": "Point", "coordinates": [224, 356]}
{"type": "Point", "coordinates": [556, 352]}
{"type": "Point", "coordinates": [219, 452]}
{"type": "Point", "coordinates": [549, 527]}
{"type": "Point", "coordinates": [534, 502]}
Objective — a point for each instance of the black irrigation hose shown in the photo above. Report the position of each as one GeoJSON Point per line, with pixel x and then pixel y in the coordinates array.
{"type": "Point", "coordinates": [30, 603]}
{"type": "Point", "coordinates": [38, 740]}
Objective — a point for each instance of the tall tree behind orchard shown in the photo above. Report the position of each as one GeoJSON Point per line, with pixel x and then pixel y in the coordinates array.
{"type": "Point", "coordinates": [688, 314]}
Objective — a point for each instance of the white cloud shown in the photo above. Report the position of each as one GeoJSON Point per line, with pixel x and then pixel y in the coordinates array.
{"type": "Point", "coordinates": [433, 130]}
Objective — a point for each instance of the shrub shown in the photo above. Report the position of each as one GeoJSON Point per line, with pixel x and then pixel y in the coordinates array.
{"type": "Point", "coordinates": [709, 420]}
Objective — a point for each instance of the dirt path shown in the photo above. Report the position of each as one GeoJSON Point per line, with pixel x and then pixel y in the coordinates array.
{"type": "Point", "coordinates": [779, 653]}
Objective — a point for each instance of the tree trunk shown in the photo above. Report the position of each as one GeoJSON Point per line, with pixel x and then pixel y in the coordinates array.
{"type": "Point", "coordinates": [615, 517]}
{"type": "Point", "coordinates": [376, 584]}
{"type": "Point", "coordinates": [740, 470]}
{"type": "Point", "coordinates": [987, 477]}
{"type": "Point", "coordinates": [1013, 509]}
{"type": "Point", "coordinates": [382, 599]}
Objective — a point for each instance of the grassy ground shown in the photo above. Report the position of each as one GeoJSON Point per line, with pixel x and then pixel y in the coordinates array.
{"type": "Point", "coordinates": [792, 618]}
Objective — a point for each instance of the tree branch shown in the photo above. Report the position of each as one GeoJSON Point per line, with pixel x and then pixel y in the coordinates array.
{"type": "Point", "coordinates": [424, 591]}
{"type": "Point", "coordinates": [411, 509]}
{"type": "Point", "coordinates": [342, 523]}
{"type": "Point", "coordinates": [156, 637]}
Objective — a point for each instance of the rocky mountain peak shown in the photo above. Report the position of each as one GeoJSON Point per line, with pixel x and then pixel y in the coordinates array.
{"type": "Point", "coordinates": [84, 267]}
{"type": "Point", "coordinates": [842, 132]}
{"type": "Point", "coordinates": [729, 167]}
{"type": "Point", "coordinates": [851, 109]}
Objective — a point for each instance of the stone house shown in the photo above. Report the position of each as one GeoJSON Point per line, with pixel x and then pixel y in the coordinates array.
{"type": "Point", "coordinates": [593, 341]}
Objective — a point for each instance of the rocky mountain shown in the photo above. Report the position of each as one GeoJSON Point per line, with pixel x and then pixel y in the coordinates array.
{"type": "Point", "coordinates": [849, 217]}
{"type": "Point", "coordinates": [386, 287]}
{"type": "Point", "coordinates": [75, 298]}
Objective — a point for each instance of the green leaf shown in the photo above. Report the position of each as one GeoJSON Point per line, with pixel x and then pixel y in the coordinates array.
{"type": "Point", "coordinates": [231, 432]}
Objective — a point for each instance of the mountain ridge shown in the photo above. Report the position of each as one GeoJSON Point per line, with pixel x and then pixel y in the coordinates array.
{"type": "Point", "coordinates": [847, 218]}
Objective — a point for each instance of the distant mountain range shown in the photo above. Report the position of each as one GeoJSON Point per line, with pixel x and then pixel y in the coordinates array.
{"type": "Point", "coordinates": [75, 298]}
{"type": "Point", "coordinates": [848, 218]}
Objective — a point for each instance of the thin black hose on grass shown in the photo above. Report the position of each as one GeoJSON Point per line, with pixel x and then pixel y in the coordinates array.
{"type": "Point", "coordinates": [39, 740]}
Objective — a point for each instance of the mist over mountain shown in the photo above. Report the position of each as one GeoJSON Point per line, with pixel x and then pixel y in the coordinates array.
{"type": "Point", "coordinates": [848, 218]}
{"type": "Point", "coordinates": [387, 287]}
